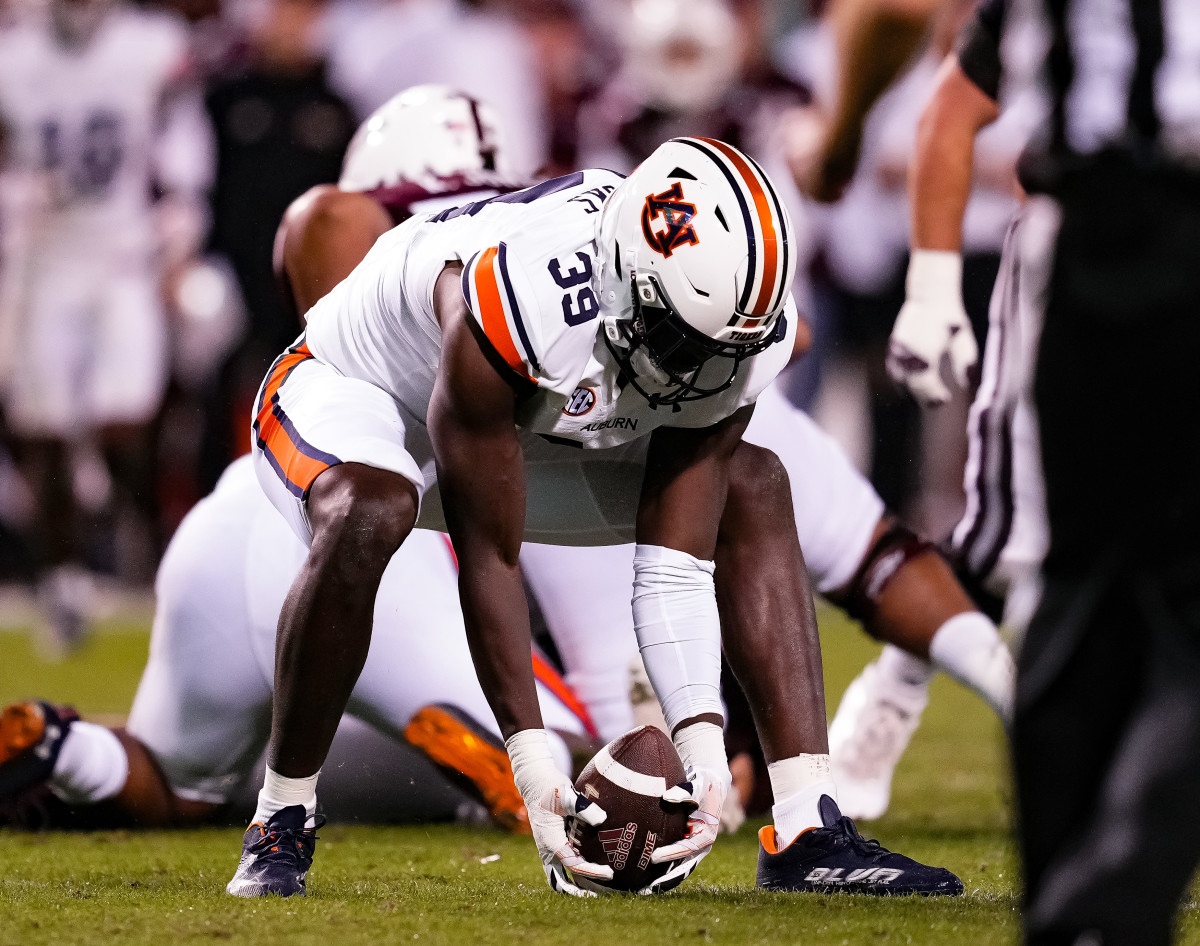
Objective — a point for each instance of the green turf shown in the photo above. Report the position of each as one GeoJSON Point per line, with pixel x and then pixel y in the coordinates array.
{"type": "Point", "coordinates": [427, 883]}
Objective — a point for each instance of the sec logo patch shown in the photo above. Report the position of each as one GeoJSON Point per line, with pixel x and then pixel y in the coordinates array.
{"type": "Point", "coordinates": [581, 401]}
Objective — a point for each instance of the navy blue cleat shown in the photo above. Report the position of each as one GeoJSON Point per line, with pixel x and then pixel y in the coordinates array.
{"type": "Point", "coordinates": [835, 857]}
{"type": "Point", "coordinates": [31, 737]}
{"type": "Point", "coordinates": [276, 856]}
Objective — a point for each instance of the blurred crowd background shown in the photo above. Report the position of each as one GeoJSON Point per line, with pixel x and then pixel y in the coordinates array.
{"type": "Point", "coordinates": [142, 255]}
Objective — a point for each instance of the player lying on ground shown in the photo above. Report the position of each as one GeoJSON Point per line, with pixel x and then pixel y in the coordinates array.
{"type": "Point", "coordinates": [202, 713]}
{"type": "Point", "coordinates": [373, 368]}
{"type": "Point", "coordinates": [431, 146]}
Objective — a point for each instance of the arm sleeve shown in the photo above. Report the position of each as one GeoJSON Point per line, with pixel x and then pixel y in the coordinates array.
{"type": "Point", "coordinates": [678, 631]}
{"type": "Point", "coordinates": [978, 47]}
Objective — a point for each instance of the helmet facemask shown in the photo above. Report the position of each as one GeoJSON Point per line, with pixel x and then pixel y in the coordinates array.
{"type": "Point", "coordinates": [676, 352]}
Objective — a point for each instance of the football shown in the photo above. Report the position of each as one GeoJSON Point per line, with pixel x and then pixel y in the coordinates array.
{"type": "Point", "coordinates": [627, 779]}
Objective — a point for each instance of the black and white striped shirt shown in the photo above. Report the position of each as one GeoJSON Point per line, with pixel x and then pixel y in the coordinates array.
{"type": "Point", "coordinates": [1118, 74]}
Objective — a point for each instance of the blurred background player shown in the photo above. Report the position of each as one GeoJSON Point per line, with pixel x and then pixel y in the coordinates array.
{"type": "Point", "coordinates": [202, 714]}
{"type": "Point", "coordinates": [998, 545]}
{"type": "Point", "coordinates": [97, 115]}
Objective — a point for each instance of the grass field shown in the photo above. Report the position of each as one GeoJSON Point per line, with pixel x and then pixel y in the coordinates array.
{"type": "Point", "coordinates": [429, 884]}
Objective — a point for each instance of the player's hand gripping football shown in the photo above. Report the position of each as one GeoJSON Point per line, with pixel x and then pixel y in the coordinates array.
{"type": "Point", "coordinates": [702, 749]}
{"type": "Point", "coordinates": [932, 325]}
{"type": "Point", "coordinates": [550, 798]}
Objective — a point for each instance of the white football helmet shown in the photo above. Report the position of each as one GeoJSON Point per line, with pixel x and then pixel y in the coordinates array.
{"type": "Point", "coordinates": [683, 55]}
{"type": "Point", "coordinates": [699, 259]}
{"type": "Point", "coordinates": [429, 139]}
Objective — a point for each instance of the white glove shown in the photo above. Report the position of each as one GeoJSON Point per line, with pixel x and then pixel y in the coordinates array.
{"type": "Point", "coordinates": [550, 798]}
{"type": "Point", "coordinates": [932, 325]}
{"type": "Point", "coordinates": [702, 748]}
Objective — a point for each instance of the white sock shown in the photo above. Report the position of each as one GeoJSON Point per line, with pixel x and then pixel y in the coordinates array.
{"type": "Point", "coordinates": [968, 648]}
{"type": "Point", "coordinates": [91, 766]}
{"type": "Point", "coordinates": [899, 666]}
{"type": "Point", "coordinates": [279, 792]}
{"type": "Point", "coordinates": [798, 784]}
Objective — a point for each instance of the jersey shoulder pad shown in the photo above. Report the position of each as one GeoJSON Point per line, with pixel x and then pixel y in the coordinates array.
{"type": "Point", "coordinates": [537, 312]}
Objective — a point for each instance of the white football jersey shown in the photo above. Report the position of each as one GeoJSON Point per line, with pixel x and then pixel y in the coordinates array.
{"type": "Point", "coordinates": [87, 117]}
{"type": "Point", "coordinates": [531, 278]}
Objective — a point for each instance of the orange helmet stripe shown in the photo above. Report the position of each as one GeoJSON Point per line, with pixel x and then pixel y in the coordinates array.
{"type": "Point", "coordinates": [766, 219]}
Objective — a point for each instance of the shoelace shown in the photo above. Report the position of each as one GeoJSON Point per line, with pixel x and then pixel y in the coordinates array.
{"type": "Point", "coordinates": [279, 843]}
{"type": "Point", "coordinates": [844, 831]}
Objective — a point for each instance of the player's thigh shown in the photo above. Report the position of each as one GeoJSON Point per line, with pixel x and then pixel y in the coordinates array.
{"type": "Point", "coordinates": [128, 371]}
{"type": "Point", "coordinates": [836, 509]}
{"type": "Point", "coordinates": [203, 706]}
{"type": "Point", "coordinates": [309, 418]}
{"type": "Point", "coordinates": [45, 394]}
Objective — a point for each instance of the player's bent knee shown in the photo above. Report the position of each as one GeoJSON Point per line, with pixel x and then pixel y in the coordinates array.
{"type": "Point", "coordinates": [758, 479]}
{"type": "Point", "coordinates": [361, 510]}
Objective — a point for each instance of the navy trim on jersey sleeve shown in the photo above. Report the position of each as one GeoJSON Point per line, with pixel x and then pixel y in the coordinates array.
{"type": "Point", "coordinates": [518, 321]}
{"type": "Point", "coordinates": [978, 47]}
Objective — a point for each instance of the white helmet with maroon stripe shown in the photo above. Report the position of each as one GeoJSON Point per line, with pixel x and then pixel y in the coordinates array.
{"type": "Point", "coordinates": [699, 238]}
{"type": "Point", "coordinates": [427, 140]}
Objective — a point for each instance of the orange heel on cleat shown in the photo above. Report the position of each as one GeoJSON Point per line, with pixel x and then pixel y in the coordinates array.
{"type": "Point", "coordinates": [473, 758]}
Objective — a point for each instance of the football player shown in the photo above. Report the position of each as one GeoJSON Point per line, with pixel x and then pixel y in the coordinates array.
{"type": "Point", "coordinates": [1002, 537]}
{"type": "Point", "coordinates": [857, 555]}
{"type": "Point", "coordinates": [202, 713]}
{"type": "Point", "coordinates": [362, 383]}
{"type": "Point", "coordinates": [97, 112]}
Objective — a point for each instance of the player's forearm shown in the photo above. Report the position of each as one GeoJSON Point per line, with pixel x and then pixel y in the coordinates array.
{"type": "Point", "coordinates": [941, 173]}
{"type": "Point", "coordinates": [874, 39]}
{"type": "Point", "coordinates": [940, 184]}
{"type": "Point", "coordinates": [497, 621]}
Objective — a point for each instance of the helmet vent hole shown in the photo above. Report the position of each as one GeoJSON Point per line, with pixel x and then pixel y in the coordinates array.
{"type": "Point", "coordinates": [681, 173]}
{"type": "Point", "coordinates": [721, 217]}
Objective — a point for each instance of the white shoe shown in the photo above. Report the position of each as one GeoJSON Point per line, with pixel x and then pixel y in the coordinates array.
{"type": "Point", "coordinates": [869, 733]}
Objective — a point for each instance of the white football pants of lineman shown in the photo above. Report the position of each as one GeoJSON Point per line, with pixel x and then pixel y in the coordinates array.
{"type": "Point", "coordinates": [1003, 534]}
{"type": "Point", "coordinates": [584, 593]}
{"type": "Point", "coordinates": [204, 703]}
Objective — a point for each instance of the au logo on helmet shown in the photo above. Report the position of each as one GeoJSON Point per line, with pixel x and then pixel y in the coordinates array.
{"type": "Point", "coordinates": [676, 213]}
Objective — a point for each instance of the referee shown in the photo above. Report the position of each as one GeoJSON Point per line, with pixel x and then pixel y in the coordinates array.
{"type": "Point", "coordinates": [1106, 739]}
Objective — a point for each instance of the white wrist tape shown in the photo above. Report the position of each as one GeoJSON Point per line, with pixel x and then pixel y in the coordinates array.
{"type": "Point", "coordinates": [678, 631]}
{"type": "Point", "coordinates": [701, 743]}
{"type": "Point", "coordinates": [532, 761]}
{"type": "Point", "coordinates": [934, 276]}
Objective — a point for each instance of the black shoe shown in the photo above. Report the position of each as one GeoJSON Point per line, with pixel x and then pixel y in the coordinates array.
{"type": "Point", "coordinates": [837, 858]}
{"type": "Point", "coordinates": [276, 856]}
{"type": "Point", "coordinates": [31, 737]}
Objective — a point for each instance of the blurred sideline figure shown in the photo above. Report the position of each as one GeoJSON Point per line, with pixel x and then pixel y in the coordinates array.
{"type": "Point", "coordinates": [97, 114]}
